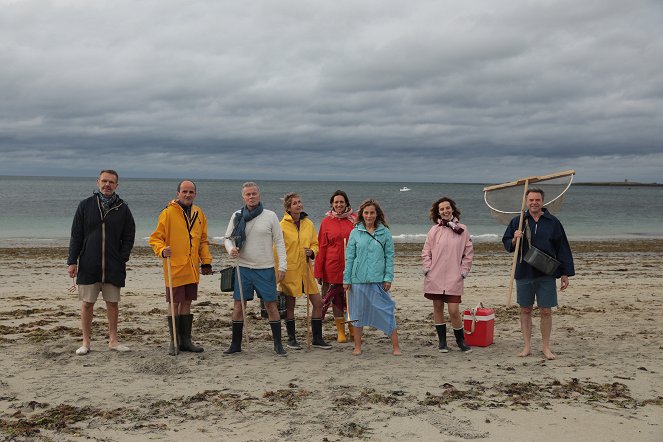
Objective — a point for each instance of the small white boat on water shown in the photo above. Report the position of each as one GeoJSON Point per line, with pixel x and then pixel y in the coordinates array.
{"type": "Point", "coordinates": [405, 189]}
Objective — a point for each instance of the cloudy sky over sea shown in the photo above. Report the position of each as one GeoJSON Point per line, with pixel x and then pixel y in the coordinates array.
{"type": "Point", "coordinates": [455, 91]}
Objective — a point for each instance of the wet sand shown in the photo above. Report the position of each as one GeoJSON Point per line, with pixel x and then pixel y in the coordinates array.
{"type": "Point", "coordinates": [607, 383]}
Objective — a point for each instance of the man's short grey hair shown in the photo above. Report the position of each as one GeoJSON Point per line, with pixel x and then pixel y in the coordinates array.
{"type": "Point", "coordinates": [112, 172]}
{"type": "Point", "coordinates": [250, 184]}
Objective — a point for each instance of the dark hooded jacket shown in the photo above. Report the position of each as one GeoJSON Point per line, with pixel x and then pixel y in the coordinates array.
{"type": "Point", "coordinates": [101, 244]}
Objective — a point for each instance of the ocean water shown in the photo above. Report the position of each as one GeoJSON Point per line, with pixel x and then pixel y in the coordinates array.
{"type": "Point", "coordinates": [38, 210]}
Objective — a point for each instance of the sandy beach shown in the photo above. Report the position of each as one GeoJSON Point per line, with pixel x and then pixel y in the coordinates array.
{"type": "Point", "coordinates": [607, 383]}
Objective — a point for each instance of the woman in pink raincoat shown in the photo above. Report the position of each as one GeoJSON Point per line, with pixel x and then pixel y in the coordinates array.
{"type": "Point", "coordinates": [447, 259]}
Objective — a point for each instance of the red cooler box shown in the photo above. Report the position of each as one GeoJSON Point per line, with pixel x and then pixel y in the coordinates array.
{"type": "Point", "coordinates": [479, 325]}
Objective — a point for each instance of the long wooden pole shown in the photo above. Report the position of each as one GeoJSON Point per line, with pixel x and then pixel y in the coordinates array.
{"type": "Point", "coordinates": [308, 305]}
{"type": "Point", "coordinates": [517, 249]}
{"type": "Point", "coordinates": [241, 298]}
{"type": "Point", "coordinates": [172, 305]}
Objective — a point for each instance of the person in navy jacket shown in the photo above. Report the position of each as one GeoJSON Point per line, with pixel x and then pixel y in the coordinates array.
{"type": "Point", "coordinates": [102, 236]}
{"type": "Point", "coordinates": [546, 234]}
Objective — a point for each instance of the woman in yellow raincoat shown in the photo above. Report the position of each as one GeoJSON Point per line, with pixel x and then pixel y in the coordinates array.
{"type": "Point", "coordinates": [301, 245]}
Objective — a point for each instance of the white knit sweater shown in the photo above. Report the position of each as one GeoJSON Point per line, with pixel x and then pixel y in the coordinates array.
{"type": "Point", "coordinates": [262, 234]}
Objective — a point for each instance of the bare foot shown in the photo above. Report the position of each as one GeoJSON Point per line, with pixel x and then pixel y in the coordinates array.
{"type": "Point", "coordinates": [524, 353]}
{"type": "Point", "coordinates": [549, 354]}
{"type": "Point", "coordinates": [356, 352]}
{"type": "Point", "coordinates": [396, 352]}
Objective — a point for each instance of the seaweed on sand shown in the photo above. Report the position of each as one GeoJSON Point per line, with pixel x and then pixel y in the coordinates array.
{"type": "Point", "coordinates": [59, 418]}
{"type": "Point", "coordinates": [369, 396]}
{"type": "Point", "coordinates": [289, 397]}
{"type": "Point", "coordinates": [353, 429]}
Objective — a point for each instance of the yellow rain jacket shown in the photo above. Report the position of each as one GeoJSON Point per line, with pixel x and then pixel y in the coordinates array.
{"type": "Point", "coordinates": [187, 238]}
{"type": "Point", "coordinates": [299, 276]}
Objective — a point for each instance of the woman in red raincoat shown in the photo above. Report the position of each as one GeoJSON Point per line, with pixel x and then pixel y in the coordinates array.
{"type": "Point", "coordinates": [330, 262]}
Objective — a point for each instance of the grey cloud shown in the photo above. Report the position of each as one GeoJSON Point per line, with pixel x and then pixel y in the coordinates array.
{"type": "Point", "coordinates": [371, 90]}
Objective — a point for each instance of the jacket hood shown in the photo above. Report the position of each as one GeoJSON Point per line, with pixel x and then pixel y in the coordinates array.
{"type": "Point", "coordinates": [177, 204]}
{"type": "Point", "coordinates": [544, 213]}
{"type": "Point", "coordinates": [117, 200]}
{"type": "Point", "coordinates": [348, 214]}
{"type": "Point", "coordinates": [288, 217]}
{"type": "Point", "coordinates": [362, 227]}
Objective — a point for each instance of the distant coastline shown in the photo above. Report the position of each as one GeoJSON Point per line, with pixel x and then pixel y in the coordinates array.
{"type": "Point", "coordinates": [619, 184]}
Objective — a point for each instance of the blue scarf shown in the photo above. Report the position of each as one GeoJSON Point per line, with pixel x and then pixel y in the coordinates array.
{"type": "Point", "coordinates": [246, 215]}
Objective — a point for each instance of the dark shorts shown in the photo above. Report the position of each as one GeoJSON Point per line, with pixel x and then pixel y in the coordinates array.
{"type": "Point", "coordinates": [543, 289]}
{"type": "Point", "coordinates": [188, 292]}
{"type": "Point", "coordinates": [449, 299]}
{"type": "Point", "coordinates": [262, 281]}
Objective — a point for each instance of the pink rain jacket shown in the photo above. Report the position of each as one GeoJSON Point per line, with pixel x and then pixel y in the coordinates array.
{"type": "Point", "coordinates": [446, 255]}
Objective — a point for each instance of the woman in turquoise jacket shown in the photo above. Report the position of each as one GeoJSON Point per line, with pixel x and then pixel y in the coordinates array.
{"type": "Point", "coordinates": [369, 271]}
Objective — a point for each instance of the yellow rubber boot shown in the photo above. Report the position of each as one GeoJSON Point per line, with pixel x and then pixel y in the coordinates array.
{"type": "Point", "coordinates": [340, 326]}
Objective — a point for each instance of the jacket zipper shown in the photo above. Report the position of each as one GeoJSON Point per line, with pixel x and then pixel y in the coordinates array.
{"type": "Point", "coordinates": [189, 226]}
{"type": "Point", "coordinates": [103, 242]}
{"type": "Point", "coordinates": [103, 238]}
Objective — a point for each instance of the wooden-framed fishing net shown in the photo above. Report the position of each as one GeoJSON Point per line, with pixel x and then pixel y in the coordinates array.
{"type": "Point", "coordinates": [504, 201]}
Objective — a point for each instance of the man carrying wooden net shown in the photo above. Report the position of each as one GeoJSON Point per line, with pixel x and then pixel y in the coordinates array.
{"type": "Point", "coordinates": [543, 256]}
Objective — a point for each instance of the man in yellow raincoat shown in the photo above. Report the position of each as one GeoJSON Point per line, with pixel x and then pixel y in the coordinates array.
{"type": "Point", "coordinates": [181, 234]}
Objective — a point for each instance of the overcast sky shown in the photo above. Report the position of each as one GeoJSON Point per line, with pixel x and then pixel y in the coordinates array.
{"type": "Point", "coordinates": [436, 91]}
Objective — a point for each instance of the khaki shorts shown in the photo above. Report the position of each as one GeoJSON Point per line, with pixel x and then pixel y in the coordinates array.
{"type": "Point", "coordinates": [90, 292]}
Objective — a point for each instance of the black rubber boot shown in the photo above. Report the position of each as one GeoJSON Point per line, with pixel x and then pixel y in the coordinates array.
{"type": "Point", "coordinates": [236, 343]}
{"type": "Point", "coordinates": [184, 335]}
{"type": "Point", "coordinates": [276, 335]}
{"type": "Point", "coordinates": [460, 340]}
{"type": "Point", "coordinates": [318, 341]}
{"type": "Point", "coordinates": [442, 337]}
{"type": "Point", "coordinates": [292, 337]}
{"type": "Point", "coordinates": [171, 348]}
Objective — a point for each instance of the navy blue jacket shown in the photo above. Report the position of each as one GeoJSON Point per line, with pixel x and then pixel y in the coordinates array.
{"type": "Point", "coordinates": [548, 236]}
{"type": "Point", "coordinates": [101, 245]}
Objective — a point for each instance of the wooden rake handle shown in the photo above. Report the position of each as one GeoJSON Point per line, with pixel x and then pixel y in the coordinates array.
{"type": "Point", "coordinates": [172, 305]}
{"type": "Point", "coordinates": [517, 249]}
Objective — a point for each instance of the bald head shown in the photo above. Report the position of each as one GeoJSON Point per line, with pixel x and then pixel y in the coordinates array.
{"type": "Point", "coordinates": [186, 192]}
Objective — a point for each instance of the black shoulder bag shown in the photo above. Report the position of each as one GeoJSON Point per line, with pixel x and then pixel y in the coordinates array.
{"type": "Point", "coordinates": [537, 258]}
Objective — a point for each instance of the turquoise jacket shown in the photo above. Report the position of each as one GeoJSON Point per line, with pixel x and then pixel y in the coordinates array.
{"type": "Point", "coordinates": [369, 258]}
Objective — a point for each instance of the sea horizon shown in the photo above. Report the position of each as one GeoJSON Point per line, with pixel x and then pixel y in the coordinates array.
{"type": "Point", "coordinates": [625, 183]}
{"type": "Point", "coordinates": [42, 208]}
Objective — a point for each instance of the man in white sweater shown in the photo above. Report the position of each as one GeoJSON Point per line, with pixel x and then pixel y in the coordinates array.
{"type": "Point", "coordinates": [251, 235]}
